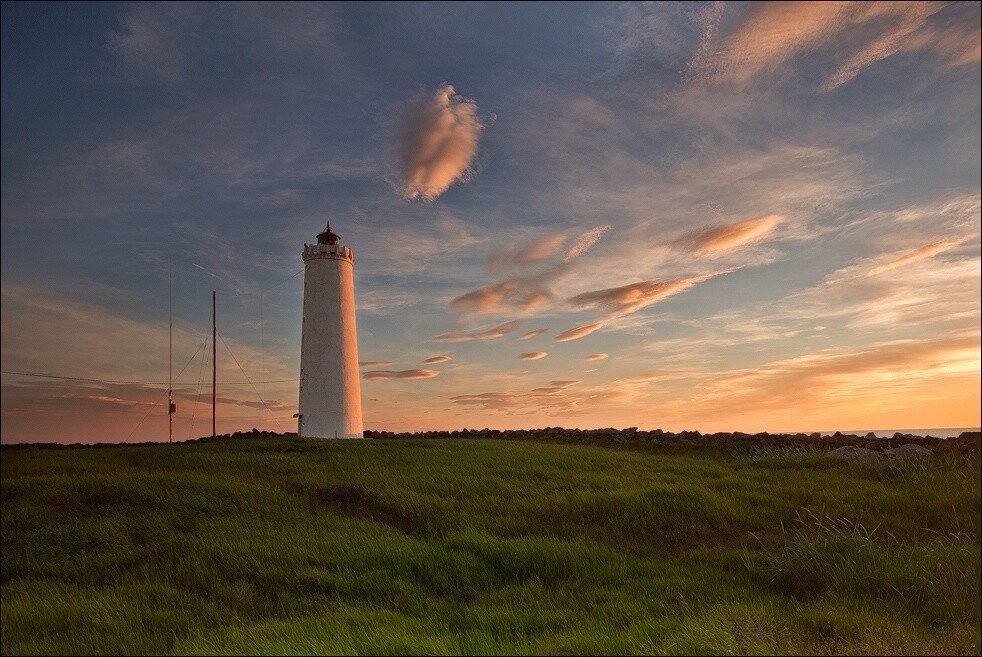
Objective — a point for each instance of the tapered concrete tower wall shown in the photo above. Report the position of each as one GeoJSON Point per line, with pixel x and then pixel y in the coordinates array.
{"type": "Point", "coordinates": [330, 392]}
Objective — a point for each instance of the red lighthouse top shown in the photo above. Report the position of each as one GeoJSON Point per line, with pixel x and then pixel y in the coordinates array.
{"type": "Point", "coordinates": [328, 236]}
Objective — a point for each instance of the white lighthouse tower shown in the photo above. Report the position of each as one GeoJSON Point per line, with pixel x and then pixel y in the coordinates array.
{"type": "Point", "coordinates": [330, 393]}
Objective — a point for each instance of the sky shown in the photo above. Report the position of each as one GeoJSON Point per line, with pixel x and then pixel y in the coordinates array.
{"type": "Point", "coordinates": [704, 216]}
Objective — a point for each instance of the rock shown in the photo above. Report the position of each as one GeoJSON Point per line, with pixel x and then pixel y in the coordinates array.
{"type": "Point", "coordinates": [910, 451]}
{"type": "Point", "coordinates": [850, 452]}
{"type": "Point", "coordinates": [970, 435]}
{"type": "Point", "coordinates": [870, 436]}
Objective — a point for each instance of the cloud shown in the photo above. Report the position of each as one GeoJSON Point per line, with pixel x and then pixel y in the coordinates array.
{"type": "Point", "coordinates": [410, 375]}
{"type": "Point", "coordinates": [627, 299]}
{"type": "Point", "coordinates": [585, 241]}
{"type": "Point", "coordinates": [526, 292]}
{"type": "Point", "coordinates": [822, 381]}
{"type": "Point", "coordinates": [926, 251]}
{"type": "Point", "coordinates": [717, 239]}
{"type": "Point", "coordinates": [522, 293]}
{"type": "Point", "coordinates": [437, 143]}
{"type": "Point", "coordinates": [542, 249]}
{"type": "Point", "coordinates": [532, 334]}
{"type": "Point", "coordinates": [373, 363]}
{"type": "Point", "coordinates": [158, 40]}
{"type": "Point", "coordinates": [596, 357]}
{"type": "Point", "coordinates": [534, 355]}
{"type": "Point", "coordinates": [487, 400]}
{"type": "Point", "coordinates": [436, 359]}
{"type": "Point", "coordinates": [557, 399]}
{"type": "Point", "coordinates": [577, 332]}
{"type": "Point", "coordinates": [769, 36]}
{"type": "Point", "coordinates": [557, 386]}
{"type": "Point", "coordinates": [490, 334]}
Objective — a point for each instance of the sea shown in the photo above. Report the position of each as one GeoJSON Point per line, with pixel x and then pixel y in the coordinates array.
{"type": "Point", "coordinates": [948, 432]}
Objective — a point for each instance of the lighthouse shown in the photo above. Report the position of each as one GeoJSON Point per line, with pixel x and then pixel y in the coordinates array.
{"type": "Point", "coordinates": [330, 394]}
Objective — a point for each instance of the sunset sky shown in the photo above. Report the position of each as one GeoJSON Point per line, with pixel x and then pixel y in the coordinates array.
{"type": "Point", "coordinates": [719, 216]}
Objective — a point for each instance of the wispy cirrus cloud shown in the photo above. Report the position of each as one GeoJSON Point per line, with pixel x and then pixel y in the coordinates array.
{"type": "Point", "coordinates": [434, 360]}
{"type": "Point", "coordinates": [585, 242]}
{"type": "Point", "coordinates": [926, 251]}
{"type": "Point", "coordinates": [407, 375]}
{"type": "Point", "coordinates": [158, 41]}
{"type": "Point", "coordinates": [533, 355]}
{"type": "Point", "coordinates": [437, 143]}
{"type": "Point", "coordinates": [488, 334]}
{"type": "Point", "coordinates": [578, 332]}
{"type": "Point", "coordinates": [760, 40]}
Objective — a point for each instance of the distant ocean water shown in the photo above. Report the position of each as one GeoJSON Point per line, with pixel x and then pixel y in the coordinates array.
{"type": "Point", "coordinates": [888, 433]}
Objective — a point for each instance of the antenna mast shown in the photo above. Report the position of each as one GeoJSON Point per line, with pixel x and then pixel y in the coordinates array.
{"type": "Point", "coordinates": [214, 363]}
{"type": "Point", "coordinates": [171, 407]}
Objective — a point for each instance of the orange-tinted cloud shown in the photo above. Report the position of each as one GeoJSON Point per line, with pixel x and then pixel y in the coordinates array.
{"type": "Point", "coordinates": [373, 363]}
{"type": "Point", "coordinates": [438, 142]}
{"type": "Point", "coordinates": [926, 251]}
{"type": "Point", "coordinates": [522, 293]}
{"type": "Point", "coordinates": [532, 334]}
{"type": "Point", "coordinates": [627, 299]}
{"type": "Point", "coordinates": [437, 359]}
{"type": "Point", "coordinates": [533, 355]}
{"type": "Point", "coordinates": [489, 334]}
{"type": "Point", "coordinates": [401, 374]}
{"type": "Point", "coordinates": [541, 249]}
{"type": "Point", "coordinates": [870, 378]}
{"type": "Point", "coordinates": [487, 400]}
{"type": "Point", "coordinates": [717, 239]}
{"type": "Point", "coordinates": [559, 398]}
{"type": "Point", "coordinates": [596, 357]}
{"type": "Point", "coordinates": [772, 34]}
{"type": "Point", "coordinates": [578, 332]}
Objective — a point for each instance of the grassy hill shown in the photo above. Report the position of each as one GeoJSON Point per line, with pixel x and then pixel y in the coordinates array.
{"type": "Point", "coordinates": [285, 546]}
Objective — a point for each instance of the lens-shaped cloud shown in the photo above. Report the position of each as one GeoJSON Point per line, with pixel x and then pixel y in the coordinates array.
{"type": "Point", "coordinates": [438, 142]}
{"type": "Point", "coordinates": [578, 332]}
{"type": "Point", "coordinates": [489, 334]}
{"type": "Point", "coordinates": [596, 357]}
{"type": "Point", "coordinates": [436, 359]}
{"type": "Point", "coordinates": [374, 363]}
{"type": "Point", "coordinates": [532, 334]}
{"type": "Point", "coordinates": [534, 355]}
{"type": "Point", "coordinates": [377, 375]}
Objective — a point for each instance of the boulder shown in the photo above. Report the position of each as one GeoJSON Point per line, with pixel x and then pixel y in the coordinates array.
{"type": "Point", "coordinates": [910, 451]}
{"type": "Point", "coordinates": [850, 452]}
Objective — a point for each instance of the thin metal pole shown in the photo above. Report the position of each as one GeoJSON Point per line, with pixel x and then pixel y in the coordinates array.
{"type": "Point", "coordinates": [170, 357]}
{"type": "Point", "coordinates": [214, 363]}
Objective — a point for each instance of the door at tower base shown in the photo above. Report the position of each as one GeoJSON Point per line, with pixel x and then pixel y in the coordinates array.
{"type": "Point", "coordinates": [330, 390]}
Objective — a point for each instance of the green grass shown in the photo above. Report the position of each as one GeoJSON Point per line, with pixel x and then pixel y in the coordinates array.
{"type": "Point", "coordinates": [287, 546]}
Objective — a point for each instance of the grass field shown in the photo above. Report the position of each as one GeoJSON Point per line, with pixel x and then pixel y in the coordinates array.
{"type": "Point", "coordinates": [288, 546]}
